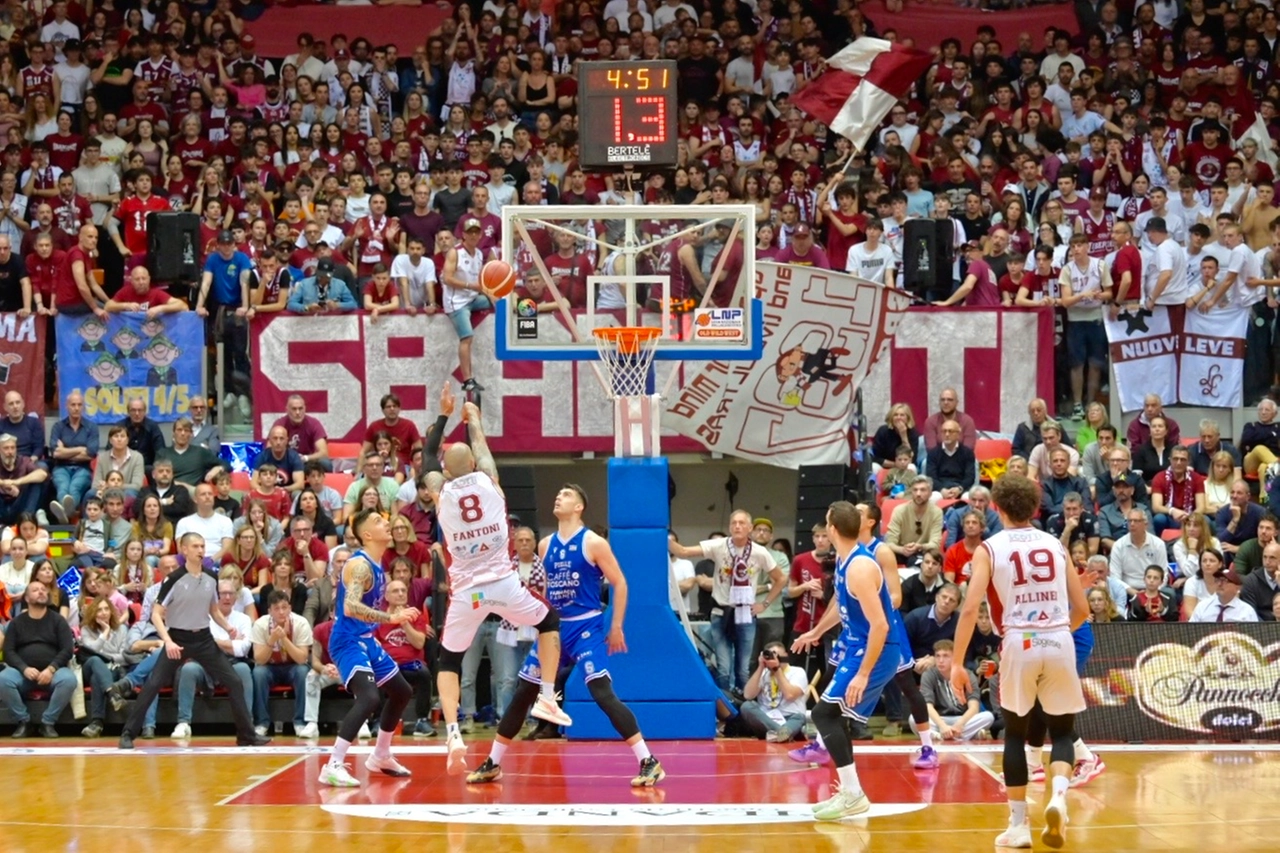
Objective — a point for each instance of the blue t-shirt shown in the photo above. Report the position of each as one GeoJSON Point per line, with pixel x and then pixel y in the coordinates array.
{"type": "Point", "coordinates": [225, 289]}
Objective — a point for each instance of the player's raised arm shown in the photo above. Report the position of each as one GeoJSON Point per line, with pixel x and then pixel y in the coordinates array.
{"type": "Point", "coordinates": [479, 445]}
{"type": "Point", "coordinates": [979, 579]}
{"type": "Point", "coordinates": [601, 553]}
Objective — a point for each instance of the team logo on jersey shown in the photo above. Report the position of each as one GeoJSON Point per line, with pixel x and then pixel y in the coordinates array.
{"type": "Point", "coordinates": [477, 600]}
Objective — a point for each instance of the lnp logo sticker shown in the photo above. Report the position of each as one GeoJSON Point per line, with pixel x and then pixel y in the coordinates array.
{"type": "Point", "coordinates": [719, 325]}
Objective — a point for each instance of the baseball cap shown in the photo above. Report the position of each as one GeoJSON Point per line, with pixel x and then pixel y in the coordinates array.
{"type": "Point", "coordinates": [802, 230]}
{"type": "Point", "coordinates": [71, 44]}
{"type": "Point", "coordinates": [759, 521]}
{"type": "Point", "coordinates": [225, 236]}
{"type": "Point", "coordinates": [247, 41]}
{"type": "Point", "coordinates": [472, 223]}
{"type": "Point", "coordinates": [1098, 192]}
{"type": "Point", "coordinates": [970, 244]}
{"type": "Point", "coordinates": [324, 266]}
{"type": "Point", "coordinates": [1230, 575]}
{"type": "Point", "coordinates": [342, 53]}
{"type": "Point", "coordinates": [1157, 223]}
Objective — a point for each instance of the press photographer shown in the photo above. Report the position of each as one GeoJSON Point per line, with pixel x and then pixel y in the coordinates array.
{"type": "Point", "coordinates": [774, 706]}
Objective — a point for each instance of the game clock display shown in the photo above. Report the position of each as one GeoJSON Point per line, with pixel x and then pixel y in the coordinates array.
{"type": "Point", "coordinates": [627, 113]}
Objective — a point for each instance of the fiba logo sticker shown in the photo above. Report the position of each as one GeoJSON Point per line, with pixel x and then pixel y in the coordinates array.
{"type": "Point", "coordinates": [719, 325]}
{"type": "Point", "coordinates": [1227, 684]}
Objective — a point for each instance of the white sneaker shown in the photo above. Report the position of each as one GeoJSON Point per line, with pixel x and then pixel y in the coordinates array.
{"type": "Point", "coordinates": [59, 513]}
{"type": "Point", "coordinates": [260, 731]}
{"type": "Point", "coordinates": [246, 408]}
{"type": "Point", "coordinates": [182, 731]}
{"type": "Point", "coordinates": [1015, 836]}
{"type": "Point", "coordinates": [310, 731]}
{"type": "Point", "coordinates": [548, 708]}
{"type": "Point", "coordinates": [1054, 834]}
{"type": "Point", "coordinates": [386, 764]}
{"type": "Point", "coordinates": [41, 518]}
{"type": "Point", "coordinates": [228, 403]}
{"type": "Point", "coordinates": [364, 734]}
{"type": "Point", "coordinates": [457, 756]}
{"type": "Point", "coordinates": [337, 776]}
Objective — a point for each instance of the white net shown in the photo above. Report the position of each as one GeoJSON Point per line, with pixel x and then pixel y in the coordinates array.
{"type": "Point", "coordinates": [627, 355]}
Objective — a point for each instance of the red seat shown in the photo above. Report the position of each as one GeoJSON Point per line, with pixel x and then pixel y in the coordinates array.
{"type": "Point", "coordinates": [241, 482]}
{"type": "Point", "coordinates": [339, 482]}
{"type": "Point", "coordinates": [345, 449]}
{"type": "Point", "coordinates": [992, 448]}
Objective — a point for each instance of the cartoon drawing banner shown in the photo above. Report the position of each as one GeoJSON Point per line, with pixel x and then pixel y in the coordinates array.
{"type": "Point", "coordinates": [22, 343]}
{"type": "Point", "coordinates": [110, 362]}
{"type": "Point", "coordinates": [824, 331]}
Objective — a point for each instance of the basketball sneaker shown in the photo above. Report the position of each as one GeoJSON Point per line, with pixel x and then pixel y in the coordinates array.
{"type": "Point", "coordinates": [457, 755]}
{"type": "Point", "coordinates": [1086, 771]}
{"type": "Point", "coordinates": [1017, 835]}
{"type": "Point", "coordinates": [842, 804]}
{"type": "Point", "coordinates": [1054, 834]}
{"type": "Point", "coordinates": [487, 772]}
{"type": "Point", "coordinates": [651, 773]}
{"type": "Point", "coordinates": [337, 776]}
{"type": "Point", "coordinates": [1037, 774]}
{"type": "Point", "coordinates": [548, 708]}
{"type": "Point", "coordinates": [926, 759]}
{"type": "Point", "coordinates": [387, 765]}
{"type": "Point", "coordinates": [810, 753]}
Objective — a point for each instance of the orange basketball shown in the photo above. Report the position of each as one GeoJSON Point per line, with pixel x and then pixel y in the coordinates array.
{"type": "Point", "coordinates": [497, 279]}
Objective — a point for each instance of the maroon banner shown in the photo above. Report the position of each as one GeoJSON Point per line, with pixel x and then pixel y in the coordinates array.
{"type": "Point", "coordinates": [22, 343]}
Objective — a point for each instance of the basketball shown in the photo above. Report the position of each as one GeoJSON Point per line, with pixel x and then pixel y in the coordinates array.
{"type": "Point", "coordinates": [497, 279]}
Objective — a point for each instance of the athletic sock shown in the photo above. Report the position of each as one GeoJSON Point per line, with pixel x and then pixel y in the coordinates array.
{"type": "Point", "coordinates": [382, 749]}
{"type": "Point", "coordinates": [1017, 812]}
{"type": "Point", "coordinates": [497, 751]}
{"type": "Point", "coordinates": [926, 737]}
{"type": "Point", "coordinates": [339, 755]}
{"type": "Point", "coordinates": [452, 729]}
{"type": "Point", "coordinates": [1083, 753]}
{"type": "Point", "coordinates": [548, 690]}
{"type": "Point", "coordinates": [1060, 785]}
{"type": "Point", "coordinates": [848, 777]}
{"type": "Point", "coordinates": [641, 750]}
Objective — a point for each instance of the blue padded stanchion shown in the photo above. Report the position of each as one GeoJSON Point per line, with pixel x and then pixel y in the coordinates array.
{"type": "Point", "coordinates": [662, 678]}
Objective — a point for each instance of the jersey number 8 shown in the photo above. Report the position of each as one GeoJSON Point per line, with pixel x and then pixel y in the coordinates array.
{"type": "Point", "coordinates": [470, 509]}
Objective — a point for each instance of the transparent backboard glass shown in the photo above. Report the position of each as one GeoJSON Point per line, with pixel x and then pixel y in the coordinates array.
{"type": "Point", "coordinates": [687, 270]}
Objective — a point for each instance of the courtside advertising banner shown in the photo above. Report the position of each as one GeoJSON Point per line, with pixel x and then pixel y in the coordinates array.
{"type": "Point", "coordinates": [125, 356]}
{"type": "Point", "coordinates": [1156, 681]}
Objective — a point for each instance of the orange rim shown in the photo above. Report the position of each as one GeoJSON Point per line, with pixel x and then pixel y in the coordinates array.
{"type": "Point", "coordinates": [627, 339]}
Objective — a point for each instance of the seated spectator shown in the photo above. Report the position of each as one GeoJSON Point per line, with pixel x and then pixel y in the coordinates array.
{"type": "Point", "coordinates": [421, 512]}
{"type": "Point", "coordinates": [322, 293]}
{"type": "Point", "coordinates": [255, 515]}
{"type": "Point", "coordinates": [1261, 586]}
{"type": "Point", "coordinates": [1210, 445]}
{"type": "Point", "coordinates": [1027, 435]}
{"type": "Point", "coordinates": [1237, 522]}
{"type": "Point", "coordinates": [306, 435]}
{"type": "Point", "coordinates": [330, 501]}
{"type": "Point", "coordinates": [1119, 467]}
{"type": "Point", "coordinates": [895, 481]}
{"type": "Point", "coordinates": [1139, 432]}
{"type": "Point", "coordinates": [1155, 602]}
{"type": "Point", "coordinates": [309, 555]}
{"type": "Point", "coordinates": [1133, 552]}
{"type": "Point", "coordinates": [1176, 492]}
{"type": "Point", "coordinates": [191, 463]}
{"type": "Point", "coordinates": [948, 410]}
{"type": "Point", "coordinates": [979, 500]}
{"type": "Point", "coordinates": [118, 457]}
{"type": "Point", "coordinates": [320, 598]}
{"type": "Point", "coordinates": [403, 431]}
{"type": "Point", "coordinates": [404, 543]}
{"type": "Point", "coordinates": [266, 491]}
{"type": "Point", "coordinates": [385, 487]}
{"type": "Point", "coordinates": [90, 543]}
{"type": "Point", "coordinates": [1224, 606]}
{"type": "Point", "coordinates": [1040, 459]}
{"type": "Point", "coordinates": [281, 650]}
{"type": "Point", "coordinates": [103, 645]}
{"type": "Point", "coordinates": [955, 566]}
{"type": "Point", "coordinates": [29, 529]}
{"type": "Point", "coordinates": [214, 527]}
{"type": "Point", "coordinates": [225, 503]}
{"type": "Point", "coordinates": [175, 499]}
{"type": "Point", "coordinates": [322, 673]}
{"type": "Point", "coordinates": [38, 646]}
{"type": "Point", "coordinates": [144, 434]}
{"type": "Point", "coordinates": [203, 433]}
{"type": "Point", "coordinates": [20, 482]}
{"type": "Point", "coordinates": [927, 625]}
{"type": "Point", "coordinates": [899, 429]}
{"type": "Point", "coordinates": [1093, 459]}
{"type": "Point", "coordinates": [775, 696]}
{"type": "Point", "coordinates": [192, 676]}
{"type": "Point", "coordinates": [15, 572]}
{"type": "Point", "coordinates": [1217, 483]}
{"type": "Point", "coordinates": [308, 508]}
{"type": "Point", "coordinates": [404, 643]}
{"type": "Point", "coordinates": [246, 554]}
{"type": "Point", "coordinates": [1249, 554]}
{"type": "Point", "coordinates": [1260, 439]}
{"type": "Point", "coordinates": [950, 716]}
{"type": "Point", "coordinates": [1102, 608]}
{"type": "Point", "coordinates": [246, 601]}
{"type": "Point", "coordinates": [74, 445]}
{"type": "Point", "coordinates": [915, 525]}
{"type": "Point", "coordinates": [152, 530]}
{"type": "Point", "coordinates": [26, 427]}
{"type": "Point", "coordinates": [287, 462]}
{"type": "Point", "coordinates": [1060, 482]}
{"type": "Point", "coordinates": [951, 465]}
{"type": "Point", "coordinates": [921, 589]}
{"type": "Point", "coordinates": [141, 298]}
{"type": "Point", "coordinates": [1154, 456]}
{"type": "Point", "coordinates": [284, 579]}
{"type": "Point", "coordinates": [1074, 524]}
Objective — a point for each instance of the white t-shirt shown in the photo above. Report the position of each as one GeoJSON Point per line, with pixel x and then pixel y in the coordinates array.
{"type": "Point", "coordinates": [1172, 257]}
{"type": "Point", "coordinates": [871, 264]}
{"type": "Point", "coordinates": [1245, 264]}
{"type": "Point", "coordinates": [770, 697]}
{"type": "Point", "coordinates": [214, 529]}
{"type": "Point", "coordinates": [419, 277]}
{"type": "Point", "coordinates": [682, 570]}
{"type": "Point", "coordinates": [720, 552]}
{"type": "Point", "coordinates": [455, 299]}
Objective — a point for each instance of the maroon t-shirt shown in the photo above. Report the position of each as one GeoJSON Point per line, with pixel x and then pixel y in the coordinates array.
{"type": "Point", "coordinates": [316, 550]}
{"type": "Point", "coordinates": [64, 283]}
{"type": "Point", "coordinates": [303, 436]}
{"type": "Point", "coordinates": [405, 432]}
{"type": "Point", "coordinates": [1130, 259]}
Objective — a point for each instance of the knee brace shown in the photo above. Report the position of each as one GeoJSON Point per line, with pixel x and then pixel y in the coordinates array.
{"type": "Point", "coordinates": [451, 662]}
{"type": "Point", "coordinates": [622, 718]}
{"type": "Point", "coordinates": [549, 623]}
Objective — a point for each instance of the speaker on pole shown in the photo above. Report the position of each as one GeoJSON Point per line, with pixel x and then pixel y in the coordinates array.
{"type": "Point", "coordinates": [819, 487]}
{"type": "Point", "coordinates": [172, 246]}
{"type": "Point", "coordinates": [927, 253]}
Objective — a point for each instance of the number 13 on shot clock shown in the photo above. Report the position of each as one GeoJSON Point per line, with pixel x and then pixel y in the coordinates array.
{"type": "Point", "coordinates": [627, 113]}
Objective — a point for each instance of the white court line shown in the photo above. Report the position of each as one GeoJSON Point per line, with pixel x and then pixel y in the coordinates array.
{"type": "Point", "coordinates": [293, 749]}
{"type": "Point", "coordinates": [255, 781]}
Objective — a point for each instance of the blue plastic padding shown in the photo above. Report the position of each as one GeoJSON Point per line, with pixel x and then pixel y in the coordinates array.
{"type": "Point", "coordinates": [638, 496]}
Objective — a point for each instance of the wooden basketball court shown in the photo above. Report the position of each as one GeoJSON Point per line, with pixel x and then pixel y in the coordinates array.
{"type": "Point", "coordinates": [574, 796]}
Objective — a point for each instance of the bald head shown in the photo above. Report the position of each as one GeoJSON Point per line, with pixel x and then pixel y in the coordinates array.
{"type": "Point", "coordinates": [458, 460]}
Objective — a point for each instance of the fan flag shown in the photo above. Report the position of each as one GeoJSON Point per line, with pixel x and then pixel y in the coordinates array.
{"type": "Point", "coordinates": [861, 84]}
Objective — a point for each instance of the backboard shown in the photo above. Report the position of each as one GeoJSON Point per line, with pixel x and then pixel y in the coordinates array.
{"type": "Point", "coordinates": [583, 266]}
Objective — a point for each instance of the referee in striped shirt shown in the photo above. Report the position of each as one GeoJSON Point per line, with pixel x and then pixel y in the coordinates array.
{"type": "Point", "coordinates": [187, 600]}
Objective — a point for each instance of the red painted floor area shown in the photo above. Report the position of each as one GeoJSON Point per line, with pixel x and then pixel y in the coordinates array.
{"type": "Point", "coordinates": [542, 773]}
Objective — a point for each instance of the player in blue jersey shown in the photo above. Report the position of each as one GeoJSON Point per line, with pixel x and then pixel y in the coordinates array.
{"type": "Point", "coordinates": [576, 561]}
{"type": "Point", "coordinates": [871, 657]}
{"type": "Point", "coordinates": [364, 668]}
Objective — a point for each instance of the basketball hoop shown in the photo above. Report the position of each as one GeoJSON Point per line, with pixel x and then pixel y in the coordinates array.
{"type": "Point", "coordinates": [627, 353]}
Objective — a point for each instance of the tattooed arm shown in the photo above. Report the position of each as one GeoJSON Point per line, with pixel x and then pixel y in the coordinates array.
{"type": "Point", "coordinates": [356, 575]}
{"type": "Point", "coordinates": [479, 445]}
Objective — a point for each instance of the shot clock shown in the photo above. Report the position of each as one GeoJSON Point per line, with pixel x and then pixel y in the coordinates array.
{"type": "Point", "coordinates": [627, 113]}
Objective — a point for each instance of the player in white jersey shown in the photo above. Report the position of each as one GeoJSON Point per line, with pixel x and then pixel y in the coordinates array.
{"type": "Point", "coordinates": [482, 581]}
{"type": "Point", "coordinates": [1037, 602]}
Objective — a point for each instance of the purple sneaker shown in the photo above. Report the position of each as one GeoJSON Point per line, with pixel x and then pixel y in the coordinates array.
{"type": "Point", "coordinates": [810, 753]}
{"type": "Point", "coordinates": [927, 759]}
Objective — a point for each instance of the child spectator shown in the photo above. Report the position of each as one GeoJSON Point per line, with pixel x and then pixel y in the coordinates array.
{"type": "Point", "coordinates": [266, 489]}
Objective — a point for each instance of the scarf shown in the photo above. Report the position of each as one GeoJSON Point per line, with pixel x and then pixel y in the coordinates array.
{"type": "Point", "coordinates": [373, 243]}
{"type": "Point", "coordinates": [509, 634]}
{"type": "Point", "coordinates": [742, 593]}
{"type": "Point", "coordinates": [1188, 494]}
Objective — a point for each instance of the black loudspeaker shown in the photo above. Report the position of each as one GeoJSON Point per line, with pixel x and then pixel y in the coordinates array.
{"type": "Point", "coordinates": [927, 253]}
{"type": "Point", "coordinates": [522, 500]}
{"type": "Point", "coordinates": [172, 246]}
{"type": "Point", "coordinates": [819, 487]}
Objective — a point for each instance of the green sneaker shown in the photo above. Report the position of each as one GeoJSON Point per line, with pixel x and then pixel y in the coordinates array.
{"type": "Point", "coordinates": [844, 804]}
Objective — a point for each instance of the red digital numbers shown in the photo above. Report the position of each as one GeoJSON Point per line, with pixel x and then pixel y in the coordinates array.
{"type": "Point", "coordinates": [650, 110]}
{"type": "Point", "coordinates": [1043, 568]}
{"type": "Point", "coordinates": [470, 509]}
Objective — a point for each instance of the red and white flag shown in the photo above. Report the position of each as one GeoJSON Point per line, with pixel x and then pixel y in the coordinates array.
{"type": "Point", "coordinates": [861, 84]}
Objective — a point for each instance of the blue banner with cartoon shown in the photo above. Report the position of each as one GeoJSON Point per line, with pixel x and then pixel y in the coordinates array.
{"type": "Point", "coordinates": [112, 361]}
